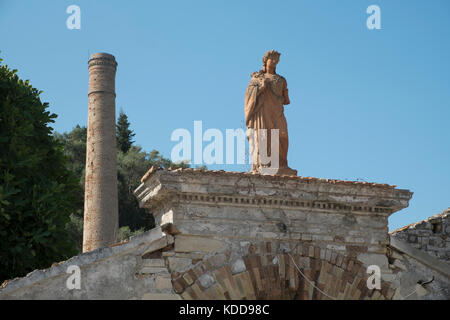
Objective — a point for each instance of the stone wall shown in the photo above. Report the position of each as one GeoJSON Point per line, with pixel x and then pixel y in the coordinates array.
{"type": "Point", "coordinates": [155, 265]}
{"type": "Point", "coordinates": [117, 272]}
{"type": "Point", "coordinates": [241, 236]}
{"type": "Point", "coordinates": [431, 235]}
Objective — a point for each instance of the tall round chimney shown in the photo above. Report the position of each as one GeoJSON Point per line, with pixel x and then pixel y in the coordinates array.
{"type": "Point", "coordinates": [101, 216]}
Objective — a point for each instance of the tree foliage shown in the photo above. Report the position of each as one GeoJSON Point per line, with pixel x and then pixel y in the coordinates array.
{"type": "Point", "coordinates": [38, 191]}
{"type": "Point", "coordinates": [124, 134]}
{"type": "Point", "coordinates": [74, 146]}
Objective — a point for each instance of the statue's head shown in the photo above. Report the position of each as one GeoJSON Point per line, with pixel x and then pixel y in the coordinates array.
{"type": "Point", "coordinates": [270, 59]}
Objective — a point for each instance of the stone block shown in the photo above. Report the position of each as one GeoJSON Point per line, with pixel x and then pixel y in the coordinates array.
{"type": "Point", "coordinates": [167, 218]}
{"type": "Point", "coordinates": [159, 244]}
{"type": "Point", "coordinates": [196, 244]}
{"type": "Point", "coordinates": [190, 255]}
{"type": "Point", "coordinates": [160, 296]}
{"type": "Point", "coordinates": [322, 254]}
{"type": "Point", "coordinates": [311, 252]}
{"type": "Point", "coordinates": [187, 277]}
{"type": "Point", "coordinates": [179, 264]}
{"type": "Point", "coordinates": [322, 237]}
{"type": "Point", "coordinates": [206, 280]}
{"type": "Point", "coordinates": [353, 239]}
{"type": "Point", "coordinates": [218, 260]}
{"type": "Point", "coordinates": [269, 235]}
{"type": "Point", "coordinates": [336, 247]}
{"type": "Point", "coordinates": [328, 255]}
{"type": "Point", "coordinates": [179, 285]}
{"type": "Point", "coordinates": [238, 266]}
{"type": "Point", "coordinates": [152, 270]}
{"type": "Point", "coordinates": [153, 263]}
{"type": "Point", "coordinates": [163, 283]}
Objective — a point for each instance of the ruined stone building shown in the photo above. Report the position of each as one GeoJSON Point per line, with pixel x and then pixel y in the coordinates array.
{"type": "Point", "coordinates": [233, 235]}
{"type": "Point", "coordinates": [236, 235]}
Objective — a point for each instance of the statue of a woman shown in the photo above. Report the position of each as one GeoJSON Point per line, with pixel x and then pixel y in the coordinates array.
{"type": "Point", "coordinates": [265, 98]}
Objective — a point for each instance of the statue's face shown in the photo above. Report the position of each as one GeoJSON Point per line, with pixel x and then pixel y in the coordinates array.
{"type": "Point", "coordinates": [271, 64]}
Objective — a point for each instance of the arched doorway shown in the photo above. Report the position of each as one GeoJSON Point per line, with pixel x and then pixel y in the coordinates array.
{"type": "Point", "coordinates": [311, 273]}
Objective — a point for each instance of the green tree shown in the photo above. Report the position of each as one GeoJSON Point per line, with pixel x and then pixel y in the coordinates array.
{"type": "Point", "coordinates": [131, 167]}
{"type": "Point", "coordinates": [37, 190]}
{"type": "Point", "coordinates": [74, 145]}
{"type": "Point", "coordinates": [124, 134]}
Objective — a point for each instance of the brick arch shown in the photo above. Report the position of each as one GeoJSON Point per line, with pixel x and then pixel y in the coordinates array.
{"type": "Point", "coordinates": [271, 275]}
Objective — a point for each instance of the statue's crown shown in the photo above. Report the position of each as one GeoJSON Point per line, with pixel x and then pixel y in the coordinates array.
{"type": "Point", "coordinates": [271, 54]}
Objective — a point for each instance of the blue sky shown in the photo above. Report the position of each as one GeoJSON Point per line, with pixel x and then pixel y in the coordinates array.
{"type": "Point", "coordinates": [366, 104]}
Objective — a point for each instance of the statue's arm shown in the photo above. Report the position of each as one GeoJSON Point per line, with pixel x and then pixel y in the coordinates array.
{"type": "Point", "coordinates": [251, 95]}
{"type": "Point", "coordinates": [257, 84]}
{"type": "Point", "coordinates": [285, 93]}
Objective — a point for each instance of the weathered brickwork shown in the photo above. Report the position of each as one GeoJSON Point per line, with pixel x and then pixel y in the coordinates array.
{"type": "Point", "coordinates": [431, 235]}
{"type": "Point", "coordinates": [101, 213]}
{"type": "Point", "coordinates": [273, 270]}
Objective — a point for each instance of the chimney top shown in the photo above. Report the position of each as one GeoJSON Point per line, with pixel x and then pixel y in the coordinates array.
{"type": "Point", "coordinates": [102, 55]}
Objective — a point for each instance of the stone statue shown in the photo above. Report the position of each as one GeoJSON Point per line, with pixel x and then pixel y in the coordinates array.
{"type": "Point", "coordinates": [265, 98]}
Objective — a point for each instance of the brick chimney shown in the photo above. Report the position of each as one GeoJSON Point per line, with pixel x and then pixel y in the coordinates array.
{"type": "Point", "coordinates": [101, 200]}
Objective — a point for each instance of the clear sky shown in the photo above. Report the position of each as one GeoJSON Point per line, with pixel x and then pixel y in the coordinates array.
{"type": "Point", "coordinates": [372, 105]}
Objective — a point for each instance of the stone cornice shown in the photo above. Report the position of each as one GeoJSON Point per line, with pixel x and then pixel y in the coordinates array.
{"type": "Point", "coordinates": [102, 62]}
{"type": "Point", "coordinates": [243, 189]}
{"type": "Point", "coordinates": [153, 170]}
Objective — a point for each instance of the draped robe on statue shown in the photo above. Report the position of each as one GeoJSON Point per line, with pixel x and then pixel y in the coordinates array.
{"type": "Point", "coordinates": [264, 110]}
